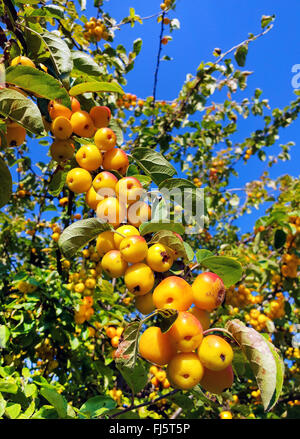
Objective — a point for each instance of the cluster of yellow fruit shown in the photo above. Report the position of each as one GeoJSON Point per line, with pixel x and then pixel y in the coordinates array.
{"type": "Point", "coordinates": [67, 122]}
{"type": "Point", "coordinates": [26, 287]}
{"type": "Point", "coordinates": [289, 268]}
{"type": "Point", "coordinates": [257, 319]}
{"type": "Point", "coordinates": [129, 100]}
{"type": "Point", "coordinates": [191, 358]}
{"type": "Point", "coordinates": [95, 30]}
{"type": "Point", "coordinates": [56, 232]}
{"type": "Point", "coordinates": [116, 394]}
{"type": "Point", "coordinates": [114, 334]}
{"type": "Point", "coordinates": [85, 311]}
{"type": "Point", "coordinates": [225, 414]}
{"type": "Point", "coordinates": [295, 369]}
{"type": "Point", "coordinates": [159, 378]}
{"type": "Point", "coordinates": [294, 402]}
{"type": "Point", "coordinates": [276, 307]}
{"type": "Point", "coordinates": [197, 182]}
{"type": "Point", "coordinates": [248, 154]}
{"type": "Point", "coordinates": [256, 394]}
{"type": "Point", "coordinates": [292, 352]}
{"type": "Point", "coordinates": [166, 4]}
{"type": "Point", "coordinates": [241, 296]}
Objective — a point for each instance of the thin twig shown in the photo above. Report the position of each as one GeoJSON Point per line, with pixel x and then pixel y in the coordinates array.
{"type": "Point", "coordinates": [157, 63]}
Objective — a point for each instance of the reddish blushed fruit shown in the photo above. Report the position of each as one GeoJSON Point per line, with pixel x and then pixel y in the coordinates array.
{"type": "Point", "coordinates": [105, 139]}
{"type": "Point", "coordinates": [75, 105]}
{"type": "Point", "coordinates": [174, 293]}
{"type": "Point", "coordinates": [129, 190]}
{"type": "Point", "coordinates": [217, 382]}
{"type": "Point", "coordinates": [209, 291]}
{"type": "Point", "coordinates": [186, 332]}
{"type": "Point", "coordinates": [82, 124]}
{"type": "Point", "coordinates": [111, 211]}
{"type": "Point", "coordinates": [116, 160]}
{"type": "Point", "coordinates": [101, 116]}
{"type": "Point", "coordinates": [104, 184]}
{"type": "Point", "coordinates": [56, 109]}
{"type": "Point", "coordinates": [138, 213]}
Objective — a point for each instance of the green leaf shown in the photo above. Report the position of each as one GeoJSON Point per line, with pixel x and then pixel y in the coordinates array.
{"type": "Point", "coordinates": [2, 405]}
{"type": "Point", "coordinates": [266, 20]}
{"type": "Point", "coordinates": [166, 318]}
{"type": "Point", "coordinates": [137, 45]}
{"type": "Point", "coordinates": [57, 400]}
{"type": "Point", "coordinates": [4, 336]}
{"type": "Point", "coordinates": [279, 238]}
{"type": "Point", "coordinates": [126, 353]}
{"type": "Point", "coordinates": [38, 82]}
{"type": "Point", "coordinates": [136, 377]}
{"type": "Point", "coordinates": [79, 234]}
{"type": "Point", "coordinates": [12, 411]}
{"type": "Point", "coordinates": [5, 187]}
{"type": "Point", "coordinates": [45, 412]}
{"type": "Point", "coordinates": [203, 254]}
{"type": "Point", "coordinates": [153, 164]}
{"type": "Point", "coordinates": [171, 240]}
{"type": "Point", "coordinates": [241, 54]}
{"type": "Point", "coordinates": [264, 360]}
{"type": "Point", "coordinates": [172, 183]}
{"type": "Point", "coordinates": [96, 406]}
{"type": "Point", "coordinates": [95, 87]}
{"type": "Point", "coordinates": [84, 65]}
{"type": "Point", "coordinates": [150, 227]}
{"type": "Point", "coordinates": [21, 110]}
{"type": "Point", "coordinates": [189, 252]}
{"type": "Point", "coordinates": [59, 52]}
{"type": "Point", "coordinates": [115, 126]}
{"type": "Point", "coordinates": [50, 11]}
{"type": "Point", "coordinates": [8, 386]}
{"type": "Point", "coordinates": [229, 270]}
{"type": "Point", "coordinates": [57, 183]}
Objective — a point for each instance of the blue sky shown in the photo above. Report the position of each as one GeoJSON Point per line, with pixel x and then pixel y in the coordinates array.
{"type": "Point", "coordinates": [204, 26]}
